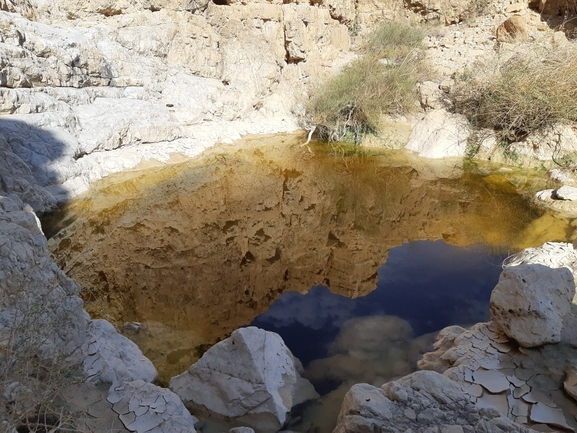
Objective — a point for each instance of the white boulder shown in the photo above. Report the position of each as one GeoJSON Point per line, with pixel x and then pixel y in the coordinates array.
{"type": "Point", "coordinates": [440, 135]}
{"type": "Point", "coordinates": [566, 192]}
{"type": "Point", "coordinates": [531, 301]}
{"type": "Point", "coordinates": [251, 379]}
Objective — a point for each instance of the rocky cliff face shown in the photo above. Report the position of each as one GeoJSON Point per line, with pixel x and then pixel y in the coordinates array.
{"type": "Point", "coordinates": [81, 80]}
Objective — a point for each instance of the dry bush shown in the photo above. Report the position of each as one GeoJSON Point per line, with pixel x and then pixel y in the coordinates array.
{"type": "Point", "coordinates": [31, 382]}
{"type": "Point", "coordinates": [523, 96]}
{"type": "Point", "coordinates": [381, 81]}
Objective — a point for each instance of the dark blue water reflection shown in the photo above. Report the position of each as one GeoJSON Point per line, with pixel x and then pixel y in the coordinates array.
{"type": "Point", "coordinates": [429, 284]}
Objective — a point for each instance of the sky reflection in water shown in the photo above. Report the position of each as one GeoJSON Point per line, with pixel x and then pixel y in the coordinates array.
{"type": "Point", "coordinates": [429, 284]}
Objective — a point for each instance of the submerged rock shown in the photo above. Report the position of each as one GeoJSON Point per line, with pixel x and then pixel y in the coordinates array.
{"type": "Point", "coordinates": [251, 379]}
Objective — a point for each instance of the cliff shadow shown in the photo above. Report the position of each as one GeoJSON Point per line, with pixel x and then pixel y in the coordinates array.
{"type": "Point", "coordinates": [34, 161]}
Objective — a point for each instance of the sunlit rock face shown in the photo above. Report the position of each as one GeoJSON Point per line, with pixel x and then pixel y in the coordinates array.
{"type": "Point", "coordinates": [509, 363]}
{"type": "Point", "coordinates": [250, 379]}
{"type": "Point", "coordinates": [199, 249]}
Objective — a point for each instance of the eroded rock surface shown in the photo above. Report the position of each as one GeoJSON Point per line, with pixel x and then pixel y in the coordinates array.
{"type": "Point", "coordinates": [530, 302]}
{"type": "Point", "coordinates": [250, 379]}
{"type": "Point", "coordinates": [45, 334]}
{"type": "Point", "coordinates": [39, 307]}
{"type": "Point", "coordinates": [524, 384]}
{"type": "Point", "coordinates": [112, 358]}
{"type": "Point", "coordinates": [421, 402]}
{"type": "Point", "coordinates": [143, 407]}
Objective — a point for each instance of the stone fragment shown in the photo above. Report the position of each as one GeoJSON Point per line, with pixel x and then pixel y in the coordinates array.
{"type": "Point", "coordinates": [495, 401]}
{"type": "Point", "coordinates": [503, 348]}
{"type": "Point", "coordinates": [543, 382]}
{"type": "Point", "coordinates": [570, 383]}
{"type": "Point", "coordinates": [516, 381]}
{"type": "Point", "coordinates": [541, 413]}
{"type": "Point", "coordinates": [513, 29]}
{"type": "Point", "coordinates": [520, 408]}
{"type": "Point", "coordinates": [530, 302]}
{"type": "Point", "coordinates": [492, 381]}
{"type": "Point", "coordinates": [566, 192]}
{"type": "Point", "coordinates": [535, 396]}
{"type": "Point", "coordinates": [250, 378]}
{"type": "Point", "coordinates": [472, 389]}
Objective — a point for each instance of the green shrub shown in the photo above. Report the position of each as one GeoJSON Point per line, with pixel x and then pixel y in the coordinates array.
{"type": "Point", "coordinates": [525, 95]}
{"type": "Point", "coordinates": [381, 81]}
{"type": "Point", "coordinates": [394, 41]}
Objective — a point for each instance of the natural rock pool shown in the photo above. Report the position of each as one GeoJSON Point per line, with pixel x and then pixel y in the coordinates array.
{"type": "Point", "coordinates": [354, 257]}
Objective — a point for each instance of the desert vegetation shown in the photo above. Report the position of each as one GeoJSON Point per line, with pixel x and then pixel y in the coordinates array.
{"type": "Point", "coordinates": [382, 80]}
{"type": "Point", "coordinates": [526, 94]}
{"type": "Point", "coordinates": [33, 375]}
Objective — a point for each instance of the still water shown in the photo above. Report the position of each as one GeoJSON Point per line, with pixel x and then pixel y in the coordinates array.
{"type": "Point", "coordinates": [355, 258]}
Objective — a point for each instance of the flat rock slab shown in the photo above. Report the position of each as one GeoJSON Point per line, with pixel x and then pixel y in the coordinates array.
{"type": "Point", "coordinates": [146, 408]}
{"type": "Point", "coordinates": [541, 413]}
{"type": "Point", "coordinates": [493, 381]}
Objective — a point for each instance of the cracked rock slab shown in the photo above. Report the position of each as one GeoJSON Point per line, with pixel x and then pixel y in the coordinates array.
{"type": "Point", "coordinates": [146, 408]}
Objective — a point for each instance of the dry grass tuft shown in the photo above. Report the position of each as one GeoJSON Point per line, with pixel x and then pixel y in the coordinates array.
{"type": "Point", "coordinates": [523, 96]}
{"type": "Point", "coordinates": [381, 81]}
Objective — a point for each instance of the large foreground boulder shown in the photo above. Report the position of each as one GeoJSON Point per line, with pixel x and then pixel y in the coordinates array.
{"type": "Point", "coordinates": [534, 301]}
{"type": "Point", "coordinates": [530, 302]}
{"type": "Point", "coordinates": [249, 379]}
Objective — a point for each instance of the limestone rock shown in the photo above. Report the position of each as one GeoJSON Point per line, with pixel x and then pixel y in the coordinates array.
{"type": "Point", "coordinates": [424, 401]}
{"type": "Point", "coordinates": [251, 379]}
{"type": "Point", "coordinates": [440, 135]}
{"type": "Point", "coordinates": [40, 310]}
{"type": "Point", "coordinates": [144, 407]}
{"type": "Point", "coordinates": [431, 96]}
{"type": "Point", "coordinates": [566, 193]}
{"type": "Point", "coordinates": [513, 29]}
{"type": "Point", "coordinates": [112, 358]}
{"type": "Point", "coordinates": [570, 384]}
{"type": "Point", "coordinates": [551, 254]}
{"type": "Point", "coordinates": [553, 143]}
{"type": "Point", "coordinates": [446, 11]}
{"type": "Point", "coordinates": [530, 302]}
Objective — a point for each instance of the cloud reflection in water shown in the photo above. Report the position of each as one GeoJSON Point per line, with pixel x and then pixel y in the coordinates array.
{"type": "Point", "coordinates": [430, 285]}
